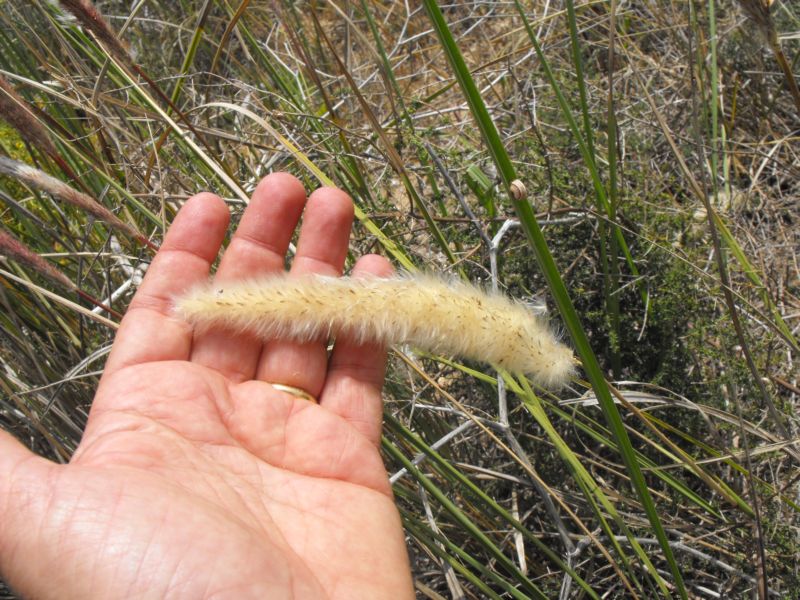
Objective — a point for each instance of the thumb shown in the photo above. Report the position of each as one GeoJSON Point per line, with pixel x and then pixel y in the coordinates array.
{"type": "Point", "coordinates": [23, 500]}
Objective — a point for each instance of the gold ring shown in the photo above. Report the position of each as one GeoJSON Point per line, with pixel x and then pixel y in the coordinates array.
{"type": "Point", "coordinates": [294, 391]}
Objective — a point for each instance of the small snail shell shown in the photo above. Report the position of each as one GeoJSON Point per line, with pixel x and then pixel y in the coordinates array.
{"type": "Point", "coordinates": [518, 191]}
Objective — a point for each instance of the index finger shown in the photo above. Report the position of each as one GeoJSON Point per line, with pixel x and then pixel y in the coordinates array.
{"type": "Point", "coordinates": [149, 332]}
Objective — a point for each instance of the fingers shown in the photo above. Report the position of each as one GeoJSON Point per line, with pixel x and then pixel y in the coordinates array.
{"type": "Point", "coordinates": [322, 249]}
{"type": "Point", "coordinates": [356, 371]}
{"type": "Point", "coordinates": [149, 332]}
{"type": "Point", "coordinates": [258, 248]}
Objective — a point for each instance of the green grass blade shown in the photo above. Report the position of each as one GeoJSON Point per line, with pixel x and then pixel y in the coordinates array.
{"type": "Point", "coordinates": [586, 150]}
{"type": "Point", "coordinates": [447, 470]}
{"type": "Point", "coordinates": [555, 284]}
{"type": "Point", "coordinates": [465, 522]}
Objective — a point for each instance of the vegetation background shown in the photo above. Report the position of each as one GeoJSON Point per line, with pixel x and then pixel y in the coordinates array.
{"type": "Point", "coordinates": [632, 166]}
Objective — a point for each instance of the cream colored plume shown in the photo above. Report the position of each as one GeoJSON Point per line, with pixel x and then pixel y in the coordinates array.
{"type": "Point", "coordinates": [451, 318]}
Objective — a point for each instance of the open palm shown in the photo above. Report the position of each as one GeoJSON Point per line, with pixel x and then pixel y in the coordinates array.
{"type": "Point", "coordinates": [196, 477]}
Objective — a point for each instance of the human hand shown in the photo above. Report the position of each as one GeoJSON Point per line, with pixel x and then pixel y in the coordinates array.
{"type": "Point", "coordinates": [195, 477]}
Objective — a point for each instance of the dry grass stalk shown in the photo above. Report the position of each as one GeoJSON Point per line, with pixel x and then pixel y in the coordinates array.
{"type": "Point", "coordinates": [58, 189]}
{"type": "Point", "coordinates": [758, 11]}
{"type": "Point", "coordinates": [19, 114]}
{"type": "Point", "coordinates": [92, 20]}
{"type": "Point", "coordinates": [19, 252]}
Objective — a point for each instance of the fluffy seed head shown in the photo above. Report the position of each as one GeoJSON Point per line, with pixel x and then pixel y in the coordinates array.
{"type": "Point", "coordinates": [443, 317]}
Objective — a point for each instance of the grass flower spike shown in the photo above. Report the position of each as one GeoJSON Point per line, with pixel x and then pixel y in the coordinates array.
{"type": "Point", "coordinates": [58, 189]}
{"type": "Point", "coordinates": [443, 317]}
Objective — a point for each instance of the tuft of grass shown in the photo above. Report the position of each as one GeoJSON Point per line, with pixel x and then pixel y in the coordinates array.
{"type": "Point", "coordinates": [631, 166]}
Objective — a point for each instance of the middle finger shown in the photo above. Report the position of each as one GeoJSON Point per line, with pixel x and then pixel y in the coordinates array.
{"type": "Point", "coordinates": [257, 248]}
{"type": "Point", "coordinates": [321, 249]}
